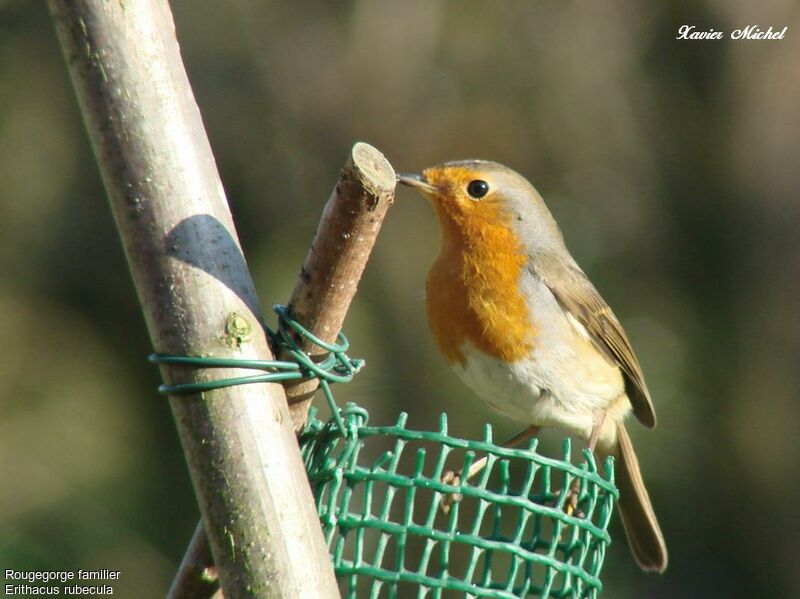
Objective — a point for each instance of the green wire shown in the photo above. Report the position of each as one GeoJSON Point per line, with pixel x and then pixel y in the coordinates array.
{"type": "Point", "coordinates": [337, 367]}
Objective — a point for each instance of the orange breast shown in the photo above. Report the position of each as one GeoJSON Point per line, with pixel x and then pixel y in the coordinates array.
{"type": "Point", "coordinates": [473, 289]}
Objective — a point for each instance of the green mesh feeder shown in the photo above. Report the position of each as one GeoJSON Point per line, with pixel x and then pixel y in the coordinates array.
{"type": "Point", "coordinates": [379, 495]}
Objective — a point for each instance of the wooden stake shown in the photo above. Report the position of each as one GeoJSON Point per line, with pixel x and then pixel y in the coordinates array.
{"type": "Point", "coordinates": [196, 294]}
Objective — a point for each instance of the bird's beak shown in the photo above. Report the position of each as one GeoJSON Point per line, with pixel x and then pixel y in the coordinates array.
{"type": "Point", "coordinates": [417, 181]}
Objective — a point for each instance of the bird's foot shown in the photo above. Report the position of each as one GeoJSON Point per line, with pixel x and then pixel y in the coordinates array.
{"type": "Point", "coordinates": [571, 502]}
{"type": "Point", "coordinates": [450, 478]}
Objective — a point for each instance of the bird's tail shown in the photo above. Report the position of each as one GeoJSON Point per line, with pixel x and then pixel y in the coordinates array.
{"type": "Point", "coordinates": [641, 527]}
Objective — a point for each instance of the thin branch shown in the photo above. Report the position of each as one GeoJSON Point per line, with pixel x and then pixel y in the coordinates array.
{"type": "Point", "coordinates": [329, 278]}
{"type": "Point", "coordinates": [196, 294]}
{"type": "Point", "coordinates": [197, 575]}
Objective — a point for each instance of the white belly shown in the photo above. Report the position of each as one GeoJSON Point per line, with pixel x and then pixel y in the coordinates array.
{"type": "Point", "coordinates": [552, 388]}
{"type": "Point", "coordinates": [565, 382]}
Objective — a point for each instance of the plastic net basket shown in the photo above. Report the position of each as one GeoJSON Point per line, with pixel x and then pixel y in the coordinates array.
{"type": "Point", "coordinates": [379, 493]}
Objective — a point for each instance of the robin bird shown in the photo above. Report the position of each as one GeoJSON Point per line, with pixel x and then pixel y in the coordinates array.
{"type": "Point", "coordinates": [523, 326]}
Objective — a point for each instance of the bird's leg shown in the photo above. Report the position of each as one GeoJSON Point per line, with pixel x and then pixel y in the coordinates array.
{"type": "Point", "coordinates": [452, 478]}
{"type": "Point", "coordinates": [571, 504]}
{"type": "Point", "coordinates": [598, 426]}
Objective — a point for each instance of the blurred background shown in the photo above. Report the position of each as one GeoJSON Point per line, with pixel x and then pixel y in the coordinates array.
{"type": "Point", "coordinates": [670, 165]}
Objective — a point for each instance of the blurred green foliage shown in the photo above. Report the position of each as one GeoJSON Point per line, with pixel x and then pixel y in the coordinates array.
{"type": "Point", "coordinates": [670, 165]}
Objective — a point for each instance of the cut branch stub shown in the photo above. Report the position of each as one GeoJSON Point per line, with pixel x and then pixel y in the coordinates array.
{"type": "Point", "coordinates": [335, 262]}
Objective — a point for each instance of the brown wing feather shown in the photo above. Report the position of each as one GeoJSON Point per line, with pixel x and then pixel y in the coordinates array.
{"type": "Point", "coordinates": [578, 296]}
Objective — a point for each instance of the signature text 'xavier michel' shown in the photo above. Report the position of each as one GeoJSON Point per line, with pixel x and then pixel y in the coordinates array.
{"type": "Point", "coordinates": [751, 32]}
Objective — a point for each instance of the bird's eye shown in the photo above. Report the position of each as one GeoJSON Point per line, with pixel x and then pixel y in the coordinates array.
{"type": "Point", "coordinates": [478, 188]}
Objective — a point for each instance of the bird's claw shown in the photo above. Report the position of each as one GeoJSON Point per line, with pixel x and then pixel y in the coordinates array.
{"type": "Point", "coordinates": [571, 502]}
{"type": "Point", "coordinates": [450, 478]}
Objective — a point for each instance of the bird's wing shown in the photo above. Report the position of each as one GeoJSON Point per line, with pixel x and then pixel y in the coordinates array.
{"type": "Point", "coordinates": [578, 297]}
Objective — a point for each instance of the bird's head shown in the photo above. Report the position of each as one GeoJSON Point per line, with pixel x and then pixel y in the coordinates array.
{"type": "Point", "coordinates": [471, 194]}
